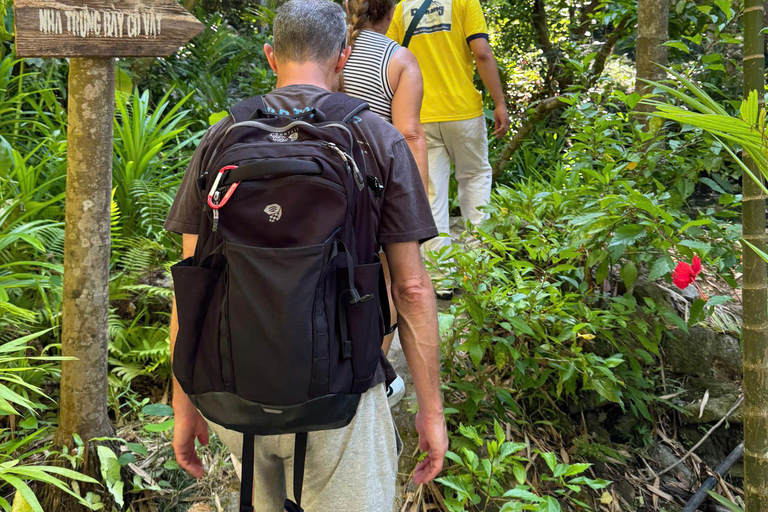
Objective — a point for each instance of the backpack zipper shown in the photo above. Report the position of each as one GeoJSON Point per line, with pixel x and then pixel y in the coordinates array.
{"type": "Point", "coordinates": [358, 175]}
{"type": "Point", "coordinates": [349, 161]}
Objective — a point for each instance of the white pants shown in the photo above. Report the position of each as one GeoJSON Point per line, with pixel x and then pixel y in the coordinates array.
{"type": "Point", "coordinates": [465, 144]}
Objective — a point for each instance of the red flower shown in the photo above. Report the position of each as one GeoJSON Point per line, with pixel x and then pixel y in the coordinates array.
{"type": "Point", "coordinates": [684, 274]}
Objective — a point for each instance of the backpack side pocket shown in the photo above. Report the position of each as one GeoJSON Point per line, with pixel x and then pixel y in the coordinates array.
{"type": "Point", "coordinates": [364, 325]}
{"type": "Point", "coordinates": [198, 292]}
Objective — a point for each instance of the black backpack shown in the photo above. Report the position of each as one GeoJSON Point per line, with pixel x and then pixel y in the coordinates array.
{"type": "Point", "coordinates": [280, 322]}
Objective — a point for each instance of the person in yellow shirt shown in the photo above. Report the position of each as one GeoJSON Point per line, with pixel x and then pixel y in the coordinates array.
{"type": "Point", "coordinates": [448, 38]}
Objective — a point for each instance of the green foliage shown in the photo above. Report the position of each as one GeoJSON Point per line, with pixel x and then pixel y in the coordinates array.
{"type": "Point", "coordinates": [149, 154]}
{"type": "Point", "coordinates": [477, 481]}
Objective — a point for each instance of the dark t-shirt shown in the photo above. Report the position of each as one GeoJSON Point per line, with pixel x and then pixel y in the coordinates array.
{"type": "Point", "coordinates": [401, 215]}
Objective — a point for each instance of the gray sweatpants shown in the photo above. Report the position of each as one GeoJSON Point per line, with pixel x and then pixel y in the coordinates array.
{"type": "Point", "coordinates": [350, 469]}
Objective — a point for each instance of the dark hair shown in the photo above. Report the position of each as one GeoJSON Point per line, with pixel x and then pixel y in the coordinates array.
{"type": "Point", "coordinates": [309, 30]}
{"type": "Point", "coordinates": [363, 12]}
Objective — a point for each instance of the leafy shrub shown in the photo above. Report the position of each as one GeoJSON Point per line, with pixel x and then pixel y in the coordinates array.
{"type": "Point", "coordinates": [481, 481]}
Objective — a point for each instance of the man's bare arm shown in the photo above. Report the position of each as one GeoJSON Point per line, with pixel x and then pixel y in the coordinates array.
{"type": "Point", "coordinates": [417, 322]}
{"type": "Point", "coordinates": [489, 73]}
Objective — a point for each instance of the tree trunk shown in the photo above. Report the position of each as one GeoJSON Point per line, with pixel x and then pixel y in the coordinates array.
{"type": "Point", "coordinates": [83, 402]}
{"type": "Point", "coordinates": [754, 289]}
{"type": "Point", "coordinates": [652, 33]}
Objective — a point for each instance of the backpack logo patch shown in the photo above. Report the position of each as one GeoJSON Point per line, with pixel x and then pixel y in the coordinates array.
{"type": "Point", "coordinates": [289, 136]}
{"type": "Point", "coordinates": [275, 211]}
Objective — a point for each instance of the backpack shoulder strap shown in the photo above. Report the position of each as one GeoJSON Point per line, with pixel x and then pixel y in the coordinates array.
{"type": "Point", "coordinates": [415, 22]}
{"type": "Point", "coordinates": [245, 110]}
{"type": "Point", "coordinates": [341, 107]}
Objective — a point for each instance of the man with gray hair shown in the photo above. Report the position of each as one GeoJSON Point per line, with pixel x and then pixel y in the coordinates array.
{"type": "Point", "coordinates": [353, 468]}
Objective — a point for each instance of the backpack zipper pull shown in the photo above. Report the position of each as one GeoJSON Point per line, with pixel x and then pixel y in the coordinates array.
{"type": "Point", "coordinates": [339, 152]}
{"type": "Point", "coordinates": [349, 161]}
{"type": "Point", "coordinates": [216, 212]}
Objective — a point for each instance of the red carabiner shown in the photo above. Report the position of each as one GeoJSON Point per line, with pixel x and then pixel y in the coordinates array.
{"type": "Point", "coordinates": [215, 185]}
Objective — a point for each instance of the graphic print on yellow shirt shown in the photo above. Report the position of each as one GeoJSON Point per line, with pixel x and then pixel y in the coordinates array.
{"type": "Point", "coordinates": [436, 19]}
{"type": "Point", "coordinates": [441, 45]}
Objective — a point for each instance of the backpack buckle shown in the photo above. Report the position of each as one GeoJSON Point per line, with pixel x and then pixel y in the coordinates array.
{"type": "Point", "coordinates": [375, 185]}
{"type": "Point", "coordinates": [211, 201]}
{"type": "Point", "coordinates": [356, 298]}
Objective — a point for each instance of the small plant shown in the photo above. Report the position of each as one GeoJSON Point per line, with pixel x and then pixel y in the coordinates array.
{"type": "Point", "coordinates": [481, 480]}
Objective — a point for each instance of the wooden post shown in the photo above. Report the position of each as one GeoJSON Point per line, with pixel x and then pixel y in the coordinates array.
{"type": "Point", "coordinates": [92, 33]}
{"type": "Point", "coordinates": [86, 249]}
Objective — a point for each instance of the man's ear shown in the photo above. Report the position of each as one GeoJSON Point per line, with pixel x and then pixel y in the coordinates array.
{"type": "Point", "coordinates": [345, 53]}
{"type": "Point", "coordinates": [270, 53]}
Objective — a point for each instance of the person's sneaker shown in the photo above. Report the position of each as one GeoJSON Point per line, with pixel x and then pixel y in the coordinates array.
{"type": "Point", "coordinates": [395, 391]}
{"type": "Point", "coordinates": [444, 294]}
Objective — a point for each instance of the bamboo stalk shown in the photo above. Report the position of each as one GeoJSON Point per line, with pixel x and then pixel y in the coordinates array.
{"type": "Point", "coordinates": [755, 288]}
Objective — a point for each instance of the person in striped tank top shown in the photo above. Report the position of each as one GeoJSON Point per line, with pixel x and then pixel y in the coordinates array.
{"type": "Point", "coordinates": [387, 77]}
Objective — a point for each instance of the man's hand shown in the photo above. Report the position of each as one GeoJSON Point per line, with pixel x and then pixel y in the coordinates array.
{"type": "Point", "coordinates": [501, 118]}
{"type": "Point", "coordinates": [433, 439]}
{"type": "Point", "coordinates": [188, 426]}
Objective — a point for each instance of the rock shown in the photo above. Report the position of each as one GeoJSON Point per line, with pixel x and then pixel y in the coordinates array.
{"type": "Point", "coordinates": [715, 409]}
{"type": "Point", "coordinates": [690, 293]}
{"type": "Point", "coordinates": [662, 296]}
{"type": "Point", "coordinates": [703, 353]}
{"type": "Point", "coordinates": [722, 396]}
{"type": "Point", "coordinates": [665, 457]}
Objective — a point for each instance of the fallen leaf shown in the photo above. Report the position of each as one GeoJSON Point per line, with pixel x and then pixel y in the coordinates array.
{"type": "Point", "coordinates": [703, 403]}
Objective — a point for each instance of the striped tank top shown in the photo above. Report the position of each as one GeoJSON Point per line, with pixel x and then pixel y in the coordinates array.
{"type": "Point", "coordinates": [366, 73]}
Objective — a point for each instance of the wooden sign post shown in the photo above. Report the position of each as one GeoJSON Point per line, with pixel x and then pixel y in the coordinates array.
{"type": "Point", "coordinates": [92, 33]}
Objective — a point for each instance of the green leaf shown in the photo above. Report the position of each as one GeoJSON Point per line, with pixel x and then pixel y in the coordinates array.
{"type": "Point", "coordinates": [627, 235]}
{"type": "Point", "coordinates": [606, 389]}
{"type": "Point", "coordinates": [576, 469]}
{"type": "Point", "coordinates": [522, 494]}
{"type": "Point", "coordinates": [216, 117]}
{"type": "Point", "coordinates": [126, 458]}
{"type": "Point", "coordinates": [520, 474]}
{"type": "Point", "coordinates": [123, 82]}
{"type": "Point", "coordinates": [138, 449]}
{"type": "Point", "coordinates": [28, 423]}
{"type": "Point", "coordinates": [110, 473]}
{"type": "Point", "coordinates": [725, 502]}
{"type": "Point", "coordinates": [171, 464]}
{"type": "Point", "coordinates": [549, 504]}
{"type": "Point", "coordinates": [551, 460]}
{"type": "Point", "coordinates": [601, 273]}
{"type": "Point", "coordinates": [520, 326]}
{"type": "Point", "coordinates": [160, 427]}
{"type": "Point", "coordinates": [157, 410]}
{"type": "Point", "coordinates": [717, 300]}
{"type": "Point", "coordinates": [6, 154]}
{"type": "Point", "coordinates": [697, 308]}
{"type": "Point", "coordinates": [701, 247]}
{"type": "Point", "coordinates": [660, 267]}
{"type": "Point", "coordinates": [679, 45]}
{"type": "Point", "coordinates": [725, 6]}
{"type": "Point", "coordinates": [713, 185]}
{"type": "Point", "coordinates": [628, 273]}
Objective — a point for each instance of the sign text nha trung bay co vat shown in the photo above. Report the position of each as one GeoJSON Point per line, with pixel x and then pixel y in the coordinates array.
{"type": "Point", "coordinates": [85, 22]}
{"type": "Point", "coordinates": [102, 28]}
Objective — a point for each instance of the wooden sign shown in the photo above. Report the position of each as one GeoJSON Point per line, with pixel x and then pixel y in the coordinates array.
{"type": "Point", "coordinates": [124, 28]}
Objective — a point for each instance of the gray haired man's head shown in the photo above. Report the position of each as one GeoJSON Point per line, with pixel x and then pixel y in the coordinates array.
{"type": "Point", "coordinates": [309, 30]}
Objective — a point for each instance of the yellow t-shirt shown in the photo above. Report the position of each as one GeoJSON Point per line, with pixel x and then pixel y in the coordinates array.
{"type": "Point", "coordinates": [441, 45]}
